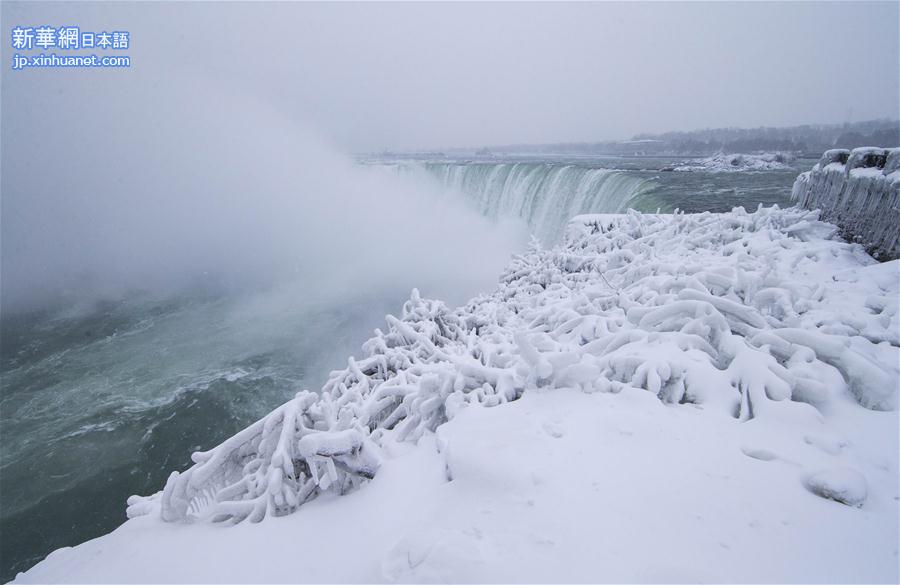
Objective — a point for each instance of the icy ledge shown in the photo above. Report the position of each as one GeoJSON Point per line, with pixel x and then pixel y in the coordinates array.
{"type": "Point", "coordinates": [680, 398]}
{"type": "Point", "coordinates": [860, 192]}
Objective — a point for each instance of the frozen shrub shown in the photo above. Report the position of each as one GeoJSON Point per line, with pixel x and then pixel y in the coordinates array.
{"type": "Point", "coordinates": [739, 312]}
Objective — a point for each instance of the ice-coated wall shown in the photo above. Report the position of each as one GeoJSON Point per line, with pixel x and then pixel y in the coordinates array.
{"type": "Point", "coordinates": [858, 190]}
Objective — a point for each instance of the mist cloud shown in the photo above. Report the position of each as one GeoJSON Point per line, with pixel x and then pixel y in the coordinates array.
{"type": "Point", "coordinates": [214, 189]}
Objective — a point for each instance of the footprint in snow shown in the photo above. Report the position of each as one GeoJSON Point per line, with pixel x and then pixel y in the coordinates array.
{"type": "Point", "coordinates": [436, 557]}
{"type": "Point", "coordinates": [761, 454]}
{"type": "Point", "coordinates": [553, 429]}
{"type": "Point", "coordinates": [829, 445]}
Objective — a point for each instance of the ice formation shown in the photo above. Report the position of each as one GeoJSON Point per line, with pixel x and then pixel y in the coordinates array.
{"type": "Point", "coordinates": [858, 190]}
{"type": "Point", "coordinates": [726, 163]}
{"type": "Point", "coordinates": [758, 316]}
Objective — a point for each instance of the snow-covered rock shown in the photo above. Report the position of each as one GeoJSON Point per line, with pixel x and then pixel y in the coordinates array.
{"type": "Point", "coordinates": [728, 163]}
{"type": "Point", "coordinates": [846, 486]}
{"type": "Point", "coordinates": [681, 380]}
{"type": "Point", "coordinates": [860, 192]}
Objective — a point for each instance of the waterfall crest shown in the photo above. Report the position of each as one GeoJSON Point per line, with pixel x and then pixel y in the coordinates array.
{"type": "Point", "coordinates": [543, 195]}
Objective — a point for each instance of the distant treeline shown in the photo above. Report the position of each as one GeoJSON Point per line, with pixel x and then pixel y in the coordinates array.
{"type": "Point", "coordinates": [809, 140]}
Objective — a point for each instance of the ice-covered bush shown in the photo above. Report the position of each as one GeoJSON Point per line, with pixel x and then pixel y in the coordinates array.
{"type": "Point", "coordinates": [738, 312]}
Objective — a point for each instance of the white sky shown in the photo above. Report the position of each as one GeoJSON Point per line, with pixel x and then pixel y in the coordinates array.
{"type": "Point", "coordinates": [210, 155]}
{"type": "Point", "coordinates": [429, 75]}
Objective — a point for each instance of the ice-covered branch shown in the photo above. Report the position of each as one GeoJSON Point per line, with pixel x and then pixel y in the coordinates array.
{"type": "Point", "coordinates": [740, 312]}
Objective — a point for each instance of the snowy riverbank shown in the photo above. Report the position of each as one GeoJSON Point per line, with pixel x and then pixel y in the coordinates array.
{"type": "Point", "coordinates": [672, 398]}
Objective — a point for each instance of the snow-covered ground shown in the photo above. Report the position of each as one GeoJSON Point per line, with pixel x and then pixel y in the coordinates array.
{"type": "Point", "coordinates": [726, 163]}
{"type": "Point", "coordinates": [673, 398]}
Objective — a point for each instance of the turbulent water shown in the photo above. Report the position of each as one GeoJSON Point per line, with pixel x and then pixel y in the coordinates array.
{"type": "Point", "coordinates": [102, 402]}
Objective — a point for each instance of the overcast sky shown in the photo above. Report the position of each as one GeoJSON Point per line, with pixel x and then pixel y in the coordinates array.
{"type": "Point", "coordinates": [417, 75]}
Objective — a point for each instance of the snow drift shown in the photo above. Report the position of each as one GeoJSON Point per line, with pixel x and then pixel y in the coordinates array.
{"type": "Point", "coordinates": [860, 192]}
{"type": "Point", "coordinates": [771, 345]}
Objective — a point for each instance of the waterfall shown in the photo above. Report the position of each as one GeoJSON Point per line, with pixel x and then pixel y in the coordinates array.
{"type": "Point", "coordinates": [544, 195]}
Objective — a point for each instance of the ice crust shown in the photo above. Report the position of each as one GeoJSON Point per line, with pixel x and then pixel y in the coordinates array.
{"type": "Point", "coordinates": [756, 316]}
{"type": "Point", "coordinates": [858, 190]}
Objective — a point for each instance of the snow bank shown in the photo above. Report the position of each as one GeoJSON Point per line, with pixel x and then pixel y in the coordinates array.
{"type": "Point", "coordinates": [860, 192]}
{"type": "Point", "coordinates": [720, 384]}
{"type": "Point", "coordinates": [726, 163]}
